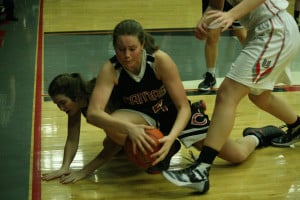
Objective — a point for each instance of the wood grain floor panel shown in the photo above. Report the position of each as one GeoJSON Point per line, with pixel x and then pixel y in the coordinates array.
{"type": "Point", "coordinates": [269, 173]}
{"type": "Point", "coordinates": [99, 15]}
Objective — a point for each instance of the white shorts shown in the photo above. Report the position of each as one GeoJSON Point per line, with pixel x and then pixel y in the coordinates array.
{"type": "Point", "coordinates": [264, 61]}
{"type": "Point", "coordinates": [147, 118]}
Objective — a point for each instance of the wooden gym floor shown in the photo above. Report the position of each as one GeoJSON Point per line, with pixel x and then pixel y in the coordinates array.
{"type": "Point", "coordinates": [53, 37]}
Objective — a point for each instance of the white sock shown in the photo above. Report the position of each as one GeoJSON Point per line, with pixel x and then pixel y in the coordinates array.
{"type": "Point", "coordinates": [211, 70]}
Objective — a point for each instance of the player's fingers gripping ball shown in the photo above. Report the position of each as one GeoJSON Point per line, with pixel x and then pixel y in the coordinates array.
{"type": "Point", "coordinates": [215, 25]}
{"type": "Point", "coordinates": [211, 22]}
{"type": "Point", "coordinates": [140, 159]}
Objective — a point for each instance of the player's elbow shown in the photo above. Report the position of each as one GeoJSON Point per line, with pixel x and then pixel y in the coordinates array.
{"type": "Point", "coordinates": [91, 116]}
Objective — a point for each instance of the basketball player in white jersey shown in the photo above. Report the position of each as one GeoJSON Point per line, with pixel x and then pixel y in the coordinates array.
{"type": "Point", "coordinates": [272, 42]}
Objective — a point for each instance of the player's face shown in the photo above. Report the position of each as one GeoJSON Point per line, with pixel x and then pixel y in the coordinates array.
{"type": "Point", "coordinates": [129, 52]}
{"type": "Point", "coordinates": [65, 104]}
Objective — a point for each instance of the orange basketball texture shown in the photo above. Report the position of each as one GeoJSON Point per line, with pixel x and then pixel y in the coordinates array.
{"type": "Point", "coordinates": [140, 159]}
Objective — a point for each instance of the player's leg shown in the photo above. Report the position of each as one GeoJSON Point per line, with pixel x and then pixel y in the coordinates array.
{"type": "Point", "coordinates": [238, 150]}
{"type": "Point", "coordinates": [129, 116]}
{"type": "Point", "coordinates": [197, 175]}
{"type": "Point", "coordinates": [237, 84]}
{"type": "Point", "coordinates": [211, 54]}
{"type": "Point", "coordinates": [234, 151]}
{"type": "Point", "coordinates": [279, 73]}
{"type": "Point", "coordinates": [241, 34]}
{"type": "Point", "coordinates": [269, 102]}
{"type": "Point", "coordinates": [229, 95]}
{"type": "Point", "coordinates": [237, 29]}
{"type": "Point", "coordinates": [110, 149]}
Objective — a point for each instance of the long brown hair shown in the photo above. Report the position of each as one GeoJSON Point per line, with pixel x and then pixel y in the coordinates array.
{"type": "Point", "coordinates": [72, 85]}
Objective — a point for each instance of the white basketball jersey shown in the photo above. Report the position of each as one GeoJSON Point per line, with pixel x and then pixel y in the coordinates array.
{"type": "Point", "coordinates": [262, 13]}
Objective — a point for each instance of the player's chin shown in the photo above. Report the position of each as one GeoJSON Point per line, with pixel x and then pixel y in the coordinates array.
{"type": "Point", "coordinates": [70, 113]}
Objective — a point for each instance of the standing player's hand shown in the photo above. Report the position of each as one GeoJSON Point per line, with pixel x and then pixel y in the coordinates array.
{"type": "Point", "coordinates": [201, 29]}
{"type": "Point", "coordinates": [203, 25]}
{"type": "Point", "coordinates": [221, 19]}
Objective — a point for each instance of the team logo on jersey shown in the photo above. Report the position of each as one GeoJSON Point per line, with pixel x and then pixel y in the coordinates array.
{"type": "Point", "coordinates": [144, 97]}
{"type": "Point", "coordinates": [262, 69]}
{"type": "Point", "coordinates": [266, 63]}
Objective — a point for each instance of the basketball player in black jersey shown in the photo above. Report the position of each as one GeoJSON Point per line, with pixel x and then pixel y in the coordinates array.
{"type": "Point", "coordinates": [151, 92]}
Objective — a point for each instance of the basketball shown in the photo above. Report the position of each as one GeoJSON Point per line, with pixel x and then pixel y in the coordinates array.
{"type": "Point", "coordinates": [140, 159]}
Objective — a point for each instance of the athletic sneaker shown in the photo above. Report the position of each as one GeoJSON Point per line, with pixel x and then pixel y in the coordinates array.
{"type": "Point", "coordinates": [198, 106]}
{"type": "Point", "coordinates": [165, 164]}
{"type": "Point", "coordinates": [195, 177]}
{"type": "Point", "coordinates": [292, 136]}
{"type": "Point", "coordinates": [208, 82]}
{"type": "Point", "coordinates": [265, 134]}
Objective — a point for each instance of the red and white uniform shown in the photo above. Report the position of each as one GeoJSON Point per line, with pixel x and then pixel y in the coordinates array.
{"type": "Point", "coordinates": [272, 42]}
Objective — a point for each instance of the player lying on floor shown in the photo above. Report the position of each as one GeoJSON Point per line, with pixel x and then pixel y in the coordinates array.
{"type": "Point", "coordinates": [71, 95]}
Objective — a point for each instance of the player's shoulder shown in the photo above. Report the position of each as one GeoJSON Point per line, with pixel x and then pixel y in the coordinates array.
{"type": "Point", "coordinates": [161, 55]}
{"type": "Point", "coordinates": [107, 68]}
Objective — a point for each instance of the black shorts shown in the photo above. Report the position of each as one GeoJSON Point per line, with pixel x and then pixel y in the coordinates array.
{"type": "Point", "coordinates": [196, 130]}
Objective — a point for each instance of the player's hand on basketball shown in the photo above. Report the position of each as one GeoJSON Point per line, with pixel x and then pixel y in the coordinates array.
{"type": "Point", "coordinates": [74, 177]}
{"type": "Point", "coordinates": [160, 155]}
{"type": "Point", "coordinates": [221, 19]}
{"type": "Point", "coordinates": [140, 139]}
{"type": "Point", "coordinates": [55, 174]}
{"type": "Point", "coordinates": [201, 29]}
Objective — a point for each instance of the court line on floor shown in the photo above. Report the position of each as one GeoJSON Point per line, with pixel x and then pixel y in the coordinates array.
{"type": "Point", "coordinates": [36, 172]}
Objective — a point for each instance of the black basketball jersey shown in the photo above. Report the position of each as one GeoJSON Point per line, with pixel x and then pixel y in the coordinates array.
{"type": "Point", "coordinates": [147, 95]}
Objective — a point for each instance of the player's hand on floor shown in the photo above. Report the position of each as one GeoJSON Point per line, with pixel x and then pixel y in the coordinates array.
{"type": "Point", "coordinates": [74, 176]}
{"type": "Point", "coordinates": [55, 174]}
